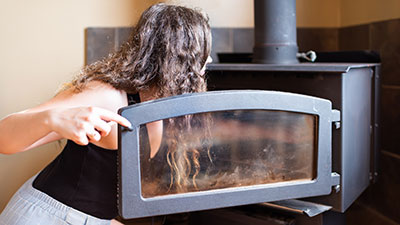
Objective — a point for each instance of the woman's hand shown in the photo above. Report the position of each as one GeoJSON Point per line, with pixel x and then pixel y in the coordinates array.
{"type": "Point", "coordinates": [84, 124]}
{"type": "Point", "coordinates": [84, 116]}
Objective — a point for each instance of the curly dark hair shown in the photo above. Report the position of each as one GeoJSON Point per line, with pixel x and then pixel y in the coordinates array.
{"type": "Point", "coordinates": [167, 49]}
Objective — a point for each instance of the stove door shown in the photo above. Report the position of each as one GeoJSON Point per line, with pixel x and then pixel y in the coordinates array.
{"type": "Point", "coordinates": [224, 148]}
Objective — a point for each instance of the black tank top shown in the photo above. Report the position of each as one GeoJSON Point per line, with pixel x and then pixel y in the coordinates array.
{"type": "Point", "coordinates": [84, 178]}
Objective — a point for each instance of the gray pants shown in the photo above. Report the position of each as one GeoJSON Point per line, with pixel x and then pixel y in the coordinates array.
{"type": "Point", "coordinates": [33, 207]}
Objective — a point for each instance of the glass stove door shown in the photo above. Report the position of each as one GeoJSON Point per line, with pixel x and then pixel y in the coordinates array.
{"type": "Point", "coordinates": [218, 149]}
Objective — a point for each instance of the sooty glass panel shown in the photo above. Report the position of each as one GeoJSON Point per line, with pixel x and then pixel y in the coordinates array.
{"type": "Point", "coordinates": [226, 149]}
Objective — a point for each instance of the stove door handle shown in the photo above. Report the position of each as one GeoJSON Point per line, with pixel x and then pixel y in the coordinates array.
{"type": "Point", "coordinates": [335, 181]}
{"type": "Point", "coordinates": [335, 118]}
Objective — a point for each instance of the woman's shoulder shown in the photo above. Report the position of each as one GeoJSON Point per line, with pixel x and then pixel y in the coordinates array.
{"type": "Point", "coordinates": [97, 94]}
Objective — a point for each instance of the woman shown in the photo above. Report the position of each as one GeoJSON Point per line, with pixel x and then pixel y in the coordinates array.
{"type": "Point", "coordinates": [165, 55]}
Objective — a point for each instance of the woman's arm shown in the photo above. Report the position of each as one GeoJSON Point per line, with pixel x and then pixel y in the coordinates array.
{"type": "Point", "coordinates": [83, 117]}
{"type": "Point", "coordinates": [21, 130]}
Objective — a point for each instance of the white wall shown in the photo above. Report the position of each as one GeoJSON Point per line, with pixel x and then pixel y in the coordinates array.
{"type": "Point", "coordinates": [239, 13]}
{"type": "Point", "coordinates": [42, 46]}
{"type": "Point", "coordinates": [355, 12]}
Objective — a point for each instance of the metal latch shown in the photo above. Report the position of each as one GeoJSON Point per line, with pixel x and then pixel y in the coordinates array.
{"type": "Point", "coordinates": [335, 181]}
{"type": "Point", "coordinates": [335, 118]}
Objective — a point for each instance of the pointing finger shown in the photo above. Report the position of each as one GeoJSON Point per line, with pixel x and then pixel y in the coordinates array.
{"type": "Point", "coordinates": [111, 116]}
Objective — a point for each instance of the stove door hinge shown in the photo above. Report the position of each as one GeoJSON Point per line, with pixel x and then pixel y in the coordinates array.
{"type": "Point", "coordinates": [335, 181]}
{"type": "Point", "coordinates": [335, 118]}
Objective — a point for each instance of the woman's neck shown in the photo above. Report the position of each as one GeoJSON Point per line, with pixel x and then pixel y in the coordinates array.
{"type": "Point", "coordinates": [147, 94]}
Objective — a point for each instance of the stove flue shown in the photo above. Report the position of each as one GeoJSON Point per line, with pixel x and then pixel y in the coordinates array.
{"type": "Point", "coordinates": [275, 32]}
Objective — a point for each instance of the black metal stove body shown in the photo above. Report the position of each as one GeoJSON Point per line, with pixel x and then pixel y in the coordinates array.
{"type": "Point", "coordinates": [352, 88]}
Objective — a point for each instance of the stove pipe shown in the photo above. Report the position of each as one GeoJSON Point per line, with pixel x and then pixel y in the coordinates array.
{"type": "Point", "coordinates": [275, 32]}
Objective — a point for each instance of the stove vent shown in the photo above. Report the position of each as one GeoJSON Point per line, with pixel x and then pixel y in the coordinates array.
{"type": "Point", "coordinates": [275, 40]}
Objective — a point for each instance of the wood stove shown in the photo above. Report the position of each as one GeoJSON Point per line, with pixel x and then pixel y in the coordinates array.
{"type": "Point", "coordinates": [352, 88]}
{"type": "Point", "coordinates": [312, 132]}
